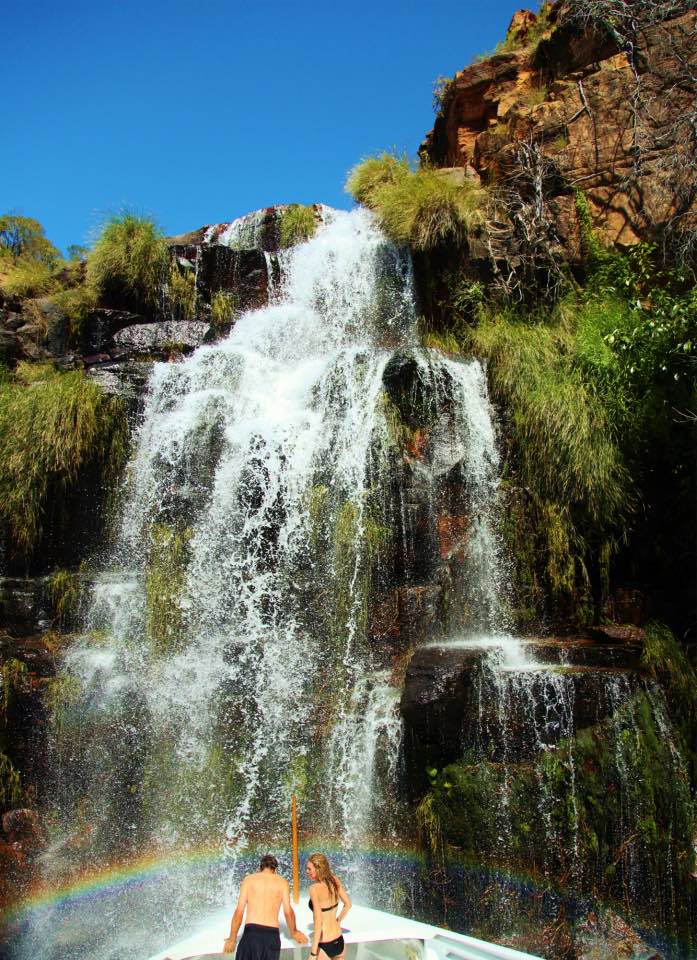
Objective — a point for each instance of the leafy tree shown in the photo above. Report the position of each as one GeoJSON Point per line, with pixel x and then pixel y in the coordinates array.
{"type": "Point", "coordinates": [25, 237]}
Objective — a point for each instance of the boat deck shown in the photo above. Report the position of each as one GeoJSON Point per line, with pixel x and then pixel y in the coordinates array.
{"type": "Point", "coordinates": [369, 935]}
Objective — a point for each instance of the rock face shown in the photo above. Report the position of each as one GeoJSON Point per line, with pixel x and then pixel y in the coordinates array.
{"type": "Point", "coordinates": [236, 259]}
{"type": "Point", "coordinates": [611, 113]}
{"type": "Point", "coordinates": [456, 701]}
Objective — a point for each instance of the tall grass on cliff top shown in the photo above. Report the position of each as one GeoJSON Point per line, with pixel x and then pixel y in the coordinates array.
{"type": "Point", "coordinates": [52, 427]}
{"type": "Point", "coordinates": [568, 409]}
{"type": "Point", "coordinates": [421, 208]}
{"type": "Point", "coordinates": [130, 257]}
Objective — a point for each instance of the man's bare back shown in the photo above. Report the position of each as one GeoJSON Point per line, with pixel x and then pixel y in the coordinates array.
{"type": "Point", "coordinates": [262, 895]}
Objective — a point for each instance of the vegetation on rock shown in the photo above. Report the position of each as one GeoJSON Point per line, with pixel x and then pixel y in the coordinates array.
{"type": "Point", "coordinates": [130, 258]}
{"type": "Point", "coordinates": [224, 307]}
{"type": "Point", "coordinates": [298, 223]}
{"type": "Point", "coordinates": [615, 798]}
{"type": "Point", "coordinates": [422, 208]}
{"type": "Point", "coordinates": [181, 290]}
{"type": "Point", "coordinates": [165, 579]}
{"type": "Point", "coordinates": [53, 426]}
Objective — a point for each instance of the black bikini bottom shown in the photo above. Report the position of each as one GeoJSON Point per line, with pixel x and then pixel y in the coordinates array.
{"type": "Point", "coordinates": [259, 943]}
{"type": "Point", "coordinates": [333, 947]}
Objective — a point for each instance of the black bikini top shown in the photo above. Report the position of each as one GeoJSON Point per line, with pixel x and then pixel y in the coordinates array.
{"type": "Point", "coordinates": [323, 909]}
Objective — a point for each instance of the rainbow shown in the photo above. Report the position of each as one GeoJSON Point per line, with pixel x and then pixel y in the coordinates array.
{"type": "Point", "coordinates": [93, 884]}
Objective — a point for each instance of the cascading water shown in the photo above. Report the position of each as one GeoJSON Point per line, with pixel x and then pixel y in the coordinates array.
{"type": "Point", "coordinates": [227, 657]}
{"type": "Point", "coordinates": [224, 662]}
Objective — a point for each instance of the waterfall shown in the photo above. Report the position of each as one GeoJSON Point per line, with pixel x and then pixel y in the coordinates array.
{"type": "Point", "coordinates": [211, 640]}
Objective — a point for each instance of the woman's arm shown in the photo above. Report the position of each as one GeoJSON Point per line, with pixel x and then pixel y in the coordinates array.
{"type": "Point", "coordinates": [317, 918]}
{"type": "Point", "coordinates": [345, 899]}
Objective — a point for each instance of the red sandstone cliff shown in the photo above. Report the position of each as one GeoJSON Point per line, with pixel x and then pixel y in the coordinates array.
{"type": "Point", "coordinates": [610, 99]}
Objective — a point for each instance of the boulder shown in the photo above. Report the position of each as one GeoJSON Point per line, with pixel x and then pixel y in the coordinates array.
{"type": "Point", "coordinates": [158, 339]}
{"type": "Point", "coordinates": [125, 378]}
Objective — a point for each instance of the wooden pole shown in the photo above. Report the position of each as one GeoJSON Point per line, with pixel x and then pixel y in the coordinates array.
{"type": "Point", "coordinates": [296, 864]}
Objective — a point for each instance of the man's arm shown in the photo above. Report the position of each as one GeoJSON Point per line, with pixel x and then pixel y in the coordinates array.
{"type": "Point", "coordinates": [289, 914]}
{"type": "Point", "coordinates": [237, 918]}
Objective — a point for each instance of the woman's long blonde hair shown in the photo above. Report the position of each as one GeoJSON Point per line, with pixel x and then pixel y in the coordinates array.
{"type": "Point", "coordinates": [324, 873]}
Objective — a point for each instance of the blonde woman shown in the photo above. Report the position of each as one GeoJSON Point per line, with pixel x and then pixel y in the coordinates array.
{"type": "Point", "coordinates": [326, 891]}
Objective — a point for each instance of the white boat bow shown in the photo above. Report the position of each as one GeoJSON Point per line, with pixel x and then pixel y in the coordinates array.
{"type": "Point", "coordinates": [369, 935]}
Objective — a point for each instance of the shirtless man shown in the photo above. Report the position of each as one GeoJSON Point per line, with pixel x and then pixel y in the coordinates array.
{"type": "Point", "coordinates": [261, 895]}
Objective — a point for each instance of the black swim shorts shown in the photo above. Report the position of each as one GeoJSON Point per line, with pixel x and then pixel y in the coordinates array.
{"type": "Point", "coordinates": [259, 943]}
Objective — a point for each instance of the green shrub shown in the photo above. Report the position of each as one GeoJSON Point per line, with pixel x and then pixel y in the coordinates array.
{"type": "Point", "coordinates": [664, 658]}
{"type": "Point", "coordinates": [24, 237]}
{"type": "Point", "coordinates": [11, 793]}
{"type": "Point", "coordinates": [63, 588]}
{"type": "Point", "coordinates": [422, 208]}
{"type": "Point", "coordinates": [298, 223]}
{"type": "Point", "coordinates": [14, 677]}
{"type": "Point", "coordinates": [130, 257]}
{"type": "Point", "coordinates": [52, 427]}
{"type": "Point", "coordinates": [76, 303]}
{"type": "Point", "coordinates": [568, 446]}
{"type": "Point", "coordinates": [446, 342]}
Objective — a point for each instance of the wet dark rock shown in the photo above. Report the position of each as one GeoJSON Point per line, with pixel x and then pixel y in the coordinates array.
{"type": "Point", "coordinates": [102, 324]}
{"type": "Point", "coordinates": [606, 936]}
{"type": "Point", "coordinates": [437, 697]}
{"type": "Point", "coordinates": [419, 612]}
{"type": "Point", "coordinates": [621, 633]}
{"type": "Point", "coordinates": [604, 651]}
{"type": "Point", "coordinates": [456, 701]}
{"type": "Point", "coordinates": [414, 387]}
{"type": "Point", "coordinates": [9, 346]}
{"type": "Point", "coordinates": [34, 650]}
{"type": "Point", "coordinates": [22, 826]}
{"type": "Point", "coordinates": [627, 605]}
{"type": "Point", "coordinates": [125, 378]}
{"type": "Point", "coordinates": [242, 273]}
{"type": "Point", "coordinates": [24, 608]}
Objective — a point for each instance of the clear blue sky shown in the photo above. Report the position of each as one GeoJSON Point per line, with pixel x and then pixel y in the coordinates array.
{"type": "Point", "coordinates": [197, 112]}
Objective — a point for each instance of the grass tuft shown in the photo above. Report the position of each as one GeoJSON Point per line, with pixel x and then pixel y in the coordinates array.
{"type": "Point", "coordinates": [11, 793]}
{"type": "Point", "coordinates": [25, 277]}
{"type": "Point", "coordinates": [130, 257]}
{"type": "Point", "coordinates": [224, 308]}
{"type": "Point", "coordinates": [422, 208]}
{"type": "Point", "coordinates": [568, 442]}
{"type": "Point", "coordinates": [14, 677]}
{"type": "Point", "coordinates": [181, 289]}
{"type": "Point", "coordinates": [373, 174]}
{"type": "Point", "coordinates": [298, 224]}
{"type": "Point", "coordinates": [52, 426]}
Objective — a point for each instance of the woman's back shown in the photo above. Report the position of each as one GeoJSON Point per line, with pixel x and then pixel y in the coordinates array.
{"type": "Point", "coordinates": [327, 900]}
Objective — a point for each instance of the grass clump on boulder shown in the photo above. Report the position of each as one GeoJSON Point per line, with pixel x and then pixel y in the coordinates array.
{"type": "Point", "coordinates": [53, 426]}
{"type": "Point", "coordinates": [421, 208]}
{"type": "Point", "coordinates": [297, 224]}
{"type": "Point", "coordinates": [129, 259]}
